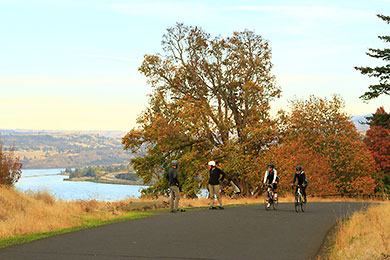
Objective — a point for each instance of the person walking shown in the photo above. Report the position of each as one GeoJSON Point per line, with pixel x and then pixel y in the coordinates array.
{"type": "Point", "coordinates": [174, 187]}
{"type": "Point", "coordinates": [216, 175]}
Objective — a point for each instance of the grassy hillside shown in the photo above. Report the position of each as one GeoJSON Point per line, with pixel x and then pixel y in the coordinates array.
{"type": "Point", "coordinates": [22, 214]}
{"type": "Point", "coordinates": [64, 149]}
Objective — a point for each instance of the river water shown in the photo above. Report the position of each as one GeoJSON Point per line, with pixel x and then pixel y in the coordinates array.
{"type": "Point", "coordinates": [48, 179]}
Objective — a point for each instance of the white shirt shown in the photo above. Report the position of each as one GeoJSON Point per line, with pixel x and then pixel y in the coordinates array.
{"type": "Point", "coordinates": [266, 176]}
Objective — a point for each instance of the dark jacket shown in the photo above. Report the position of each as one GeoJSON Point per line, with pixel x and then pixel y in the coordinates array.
{"type": "Point", "coordinates": [172, 177]}
{"type": "Point", "coordinates": [215, 174]}
{"type": "Point", "coordinates": [301, 177]}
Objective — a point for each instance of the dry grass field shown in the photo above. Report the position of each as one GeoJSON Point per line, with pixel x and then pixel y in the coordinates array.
{"type": "Point", "coordinates": [365, 236]}
{"type": "Point", "coordinates": [28, 213]}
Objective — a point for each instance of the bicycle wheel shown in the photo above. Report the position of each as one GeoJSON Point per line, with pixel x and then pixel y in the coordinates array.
{"type": "Point", "coordinates": [296, 203]}
{"type": "Point", "coordinates": [302, 204]}
{"type": "Point", "coordinates": [266, 201]}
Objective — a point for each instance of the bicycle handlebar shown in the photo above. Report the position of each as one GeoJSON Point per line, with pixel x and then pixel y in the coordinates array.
{"type": "Point", "coordinates": [296, 185]}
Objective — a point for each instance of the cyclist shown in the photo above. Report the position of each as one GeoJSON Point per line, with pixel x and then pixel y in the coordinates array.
{"type": "Point", "coordinates": [301, 177]}
{"type": "Point", "coordinates": [271, 175]}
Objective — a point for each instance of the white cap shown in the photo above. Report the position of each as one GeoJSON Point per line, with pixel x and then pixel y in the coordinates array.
{"type": "Point", "coordinates": [211, 163]}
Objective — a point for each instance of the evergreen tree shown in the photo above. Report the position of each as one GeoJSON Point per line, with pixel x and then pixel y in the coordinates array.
{"type": "Point", "coordinates": [383, 72]}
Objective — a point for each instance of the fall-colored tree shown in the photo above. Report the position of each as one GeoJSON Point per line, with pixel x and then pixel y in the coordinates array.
{"type": "Point", "coordinates": [383, 72]}
{"type": "Point", "coordinates": [10, 167]}
{"type": "Point", "coordinates": [211, 100]}
{"type": "Point", "coordinates": [378, 142]}
{"type": "Point", "coordinates": [292, 153]}
{"type": "Point", "coordinates": [333, 141]}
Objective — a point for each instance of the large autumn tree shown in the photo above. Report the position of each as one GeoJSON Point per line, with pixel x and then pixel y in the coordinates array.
{"type": "Point", "coordinates": [380, 72]}
{"type": "Point", "coordinates": [320, 136]}
{"type": "Point", "coordinates": [10, 167]}
{"type": "Point", "coordinates": [211, 100]}
{"type": "Point", "coordinates": [378, 142]}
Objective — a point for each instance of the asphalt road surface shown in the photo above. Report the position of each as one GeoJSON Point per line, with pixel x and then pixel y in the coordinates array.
{"type": "Point", "coordinates": [245, 232]}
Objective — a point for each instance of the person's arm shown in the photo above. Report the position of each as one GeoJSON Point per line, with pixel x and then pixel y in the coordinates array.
{"type": "Point", "coordinates": [295, 177]}
{"type": "Point", "coordinates": [304, 179]}
{"type": "Point", "coordinates": [169, 175]}
{"type": "Point", "coordinates": [265, 176]}
{"type": "Point", "coordinates": [174, 177]}
{"type": "Point", "coordinates": [223, 175]}
{"type": "Point", "coordinates": [275, 174]}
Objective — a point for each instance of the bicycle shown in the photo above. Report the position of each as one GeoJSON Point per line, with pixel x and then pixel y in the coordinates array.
{"type": "Point", "coordinates": [269, 199]}
{"type": "Point", "coordinates": [300, 204]}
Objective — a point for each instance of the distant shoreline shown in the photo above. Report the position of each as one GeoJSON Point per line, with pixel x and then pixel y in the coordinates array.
{"type": "Point", "coordinates": [105, 180]}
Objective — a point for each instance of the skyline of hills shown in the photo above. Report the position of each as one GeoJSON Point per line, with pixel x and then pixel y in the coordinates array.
{"type": "Point", "coordinates": [60, 149]}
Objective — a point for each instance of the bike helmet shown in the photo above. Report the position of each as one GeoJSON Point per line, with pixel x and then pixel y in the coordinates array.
{"type": "Point", "coordinates": [175, 162]}
{"type": "Point", "coordinates": [299, 168]}
{"type": "Point", "coordinates": [211, 163]}
{"type": "Point", "coordinates": [271, 165]}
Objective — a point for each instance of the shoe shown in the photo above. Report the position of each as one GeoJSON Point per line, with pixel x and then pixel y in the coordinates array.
{"type": "Point", "coordinates": [220, 207]}
{"type": "Point", "coordinates": [173, 211]}
{"type": "Point", "coordinates": [212, 208]}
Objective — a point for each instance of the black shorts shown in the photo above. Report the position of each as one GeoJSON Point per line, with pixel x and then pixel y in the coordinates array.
{"type": "Point", "coordinates": [273, 185]}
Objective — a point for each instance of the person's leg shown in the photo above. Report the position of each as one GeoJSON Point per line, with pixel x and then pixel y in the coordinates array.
{"type": "Point", "coordinates": [172, 197]}
{"type": "Point", "coordinates": [177, 197]}
{"type": "Point", "coordinates": [211, 194]}
{"type": "Point", "coordinates": [304, 193]}
{"type": "Point", "coordinates": [268, 183]}
{"type": "Point", "coordinates": [218, 194]}
{"type": "Point", "coordinates": [275, 188]}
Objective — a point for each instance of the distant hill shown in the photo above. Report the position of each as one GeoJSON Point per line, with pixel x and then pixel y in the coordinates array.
{"type": "Point", "coordinates": [359, 122]}
{"type": "Point", "coordinates": [111, 134]}
{"type": "Point", "coordinates": [60, 149]}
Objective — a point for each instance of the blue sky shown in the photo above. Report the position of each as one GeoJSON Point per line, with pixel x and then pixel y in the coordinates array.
{"type": "Point", "coordinates": [68, 64]}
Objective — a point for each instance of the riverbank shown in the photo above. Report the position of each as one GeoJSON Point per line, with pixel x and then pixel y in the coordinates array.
{"type": "Point", "coordinates": [116, 177]}
{"type": "Point", "coordinates": [104, 180]}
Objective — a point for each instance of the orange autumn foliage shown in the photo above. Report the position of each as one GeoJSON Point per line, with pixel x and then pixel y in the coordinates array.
{"type": "Point", "coordinates": [211, 101]}
{"type": "Point", "coordinates": [378, 139]}
{"type": "Point", "coordinates": [337, 150]}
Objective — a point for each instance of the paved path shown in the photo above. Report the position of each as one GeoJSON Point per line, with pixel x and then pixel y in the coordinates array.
{"type": "Point", "coordinates": [246, 232]}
